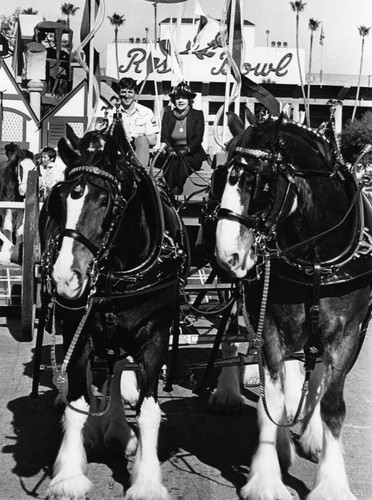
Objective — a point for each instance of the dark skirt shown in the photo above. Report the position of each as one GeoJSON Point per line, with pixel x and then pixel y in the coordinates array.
{"type": "Point", "coordinates": [176, 170]}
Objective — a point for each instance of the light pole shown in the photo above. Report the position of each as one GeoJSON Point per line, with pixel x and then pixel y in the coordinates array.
{"type": "Point", "coordinates": [156, 22]}
{"type": "Point", "coordinates": [267, 37]}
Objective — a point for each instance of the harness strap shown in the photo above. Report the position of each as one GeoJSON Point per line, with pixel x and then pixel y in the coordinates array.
{"type": "Point", "coordinates": [75, 235]}
{"type": "Point", "coordinates": [313, 348]}
{"type": "Point", "coordinates": [245, 220]}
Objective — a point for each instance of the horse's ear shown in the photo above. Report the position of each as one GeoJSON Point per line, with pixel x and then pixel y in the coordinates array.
{"type": "Point", "coordinates": [72, 137]}
{"type": "Point", "coordinates": [68, 155]}
{"type": "Point", "coordinates": [278, 124]}
{"type": "Point", "coordinates": [251, 117]}
{"type": "Point", "coordinates": [110, 150]}
{"type": "Point", "coordinates": [234, 122]}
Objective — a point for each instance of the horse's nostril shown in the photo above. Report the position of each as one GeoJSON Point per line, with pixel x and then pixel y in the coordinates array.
{"type": "Point", "coordinates": [234, 258]}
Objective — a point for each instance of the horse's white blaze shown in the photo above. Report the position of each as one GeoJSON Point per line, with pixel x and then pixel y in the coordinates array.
{"type": "Point", "coordinates": [233, 241]}
{"type": "Point", "coordinates": [69, 480]}
{"type": "Point", "coordinates": [146, 475]}
{"type": "Point", "coordinates": [67, 281]}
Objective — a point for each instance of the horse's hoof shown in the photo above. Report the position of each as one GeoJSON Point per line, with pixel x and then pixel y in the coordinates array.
{"type": "Point", "coordinates": [225, 406]}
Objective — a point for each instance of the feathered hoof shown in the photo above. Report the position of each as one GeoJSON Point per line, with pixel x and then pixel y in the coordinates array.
{"type": "Point", "coordinates": [155, 491]}
{"type": "Point", "coordinates": [331, 491]}
{"type": "Point", "coordinates": [257, 489]}
{"type": "Point", "coordinates": [75, 488]}
{"type": "Point", "coordinates": [225, 405]}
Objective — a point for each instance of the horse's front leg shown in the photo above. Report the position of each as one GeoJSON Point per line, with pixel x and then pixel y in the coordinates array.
{"type": "Point", "coordinates": [227, 396]}
{"type": "Point", "coordinates": [69, 480]}
{"type": "Point", "coordinates": [331, 481]}
{"type": "Point", "coordinates": [146, 483]}
{"type": "Point", "coordinates": [265, 479]}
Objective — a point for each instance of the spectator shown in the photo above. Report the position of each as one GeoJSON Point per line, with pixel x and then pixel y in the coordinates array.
{"type": "Point", "coordinates": [182, 131]}
{"type": "Point", "coordinates": [51, 171]}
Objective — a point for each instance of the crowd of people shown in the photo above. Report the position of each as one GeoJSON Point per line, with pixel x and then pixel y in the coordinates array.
{"type": "Point", "coordinates": [181, 135]}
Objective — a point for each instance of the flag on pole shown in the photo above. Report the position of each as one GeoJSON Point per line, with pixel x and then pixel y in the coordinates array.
{"type": "Point", "coordinates": [203, 22]}
{"type": "Point", "coordinates": [85, 29]}
{"type": "Point", "coordinates": [151, 64]}
{"type": "Point", "coordinates": [169, 49]}
{"type": "Point", "coordinates": [236, 25]}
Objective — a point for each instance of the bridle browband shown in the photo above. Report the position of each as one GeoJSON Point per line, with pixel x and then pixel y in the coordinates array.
{"type": "Point", "coordinates": [96, 171]}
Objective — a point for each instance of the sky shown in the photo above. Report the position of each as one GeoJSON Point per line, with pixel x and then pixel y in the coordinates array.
{"type": "Point", "coordinates": [340, 18]}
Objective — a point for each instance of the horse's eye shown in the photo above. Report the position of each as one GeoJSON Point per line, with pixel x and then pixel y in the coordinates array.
{"type": "Point", "coordinates": [234, 176]}
{"type": "Point", "coordinates": [104, 200]}
{"type": "Point", "coordinates": [77, 192]}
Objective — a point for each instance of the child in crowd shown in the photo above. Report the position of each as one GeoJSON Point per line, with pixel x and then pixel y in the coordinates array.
{"type": "Point", "coordinates": [51, 171]}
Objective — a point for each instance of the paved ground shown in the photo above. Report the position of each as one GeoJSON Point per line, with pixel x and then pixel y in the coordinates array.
{"type": "Point", "coordinates": [204, 457]}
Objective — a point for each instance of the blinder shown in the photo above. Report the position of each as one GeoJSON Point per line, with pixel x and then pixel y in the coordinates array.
{"type": "Point", "coordinates": [56, 200]}
{"type": "Point", "coordinates": [256, 173]}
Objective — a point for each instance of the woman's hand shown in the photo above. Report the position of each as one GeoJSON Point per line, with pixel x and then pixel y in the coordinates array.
{"type": "Point", "coordinates": [184, 151]}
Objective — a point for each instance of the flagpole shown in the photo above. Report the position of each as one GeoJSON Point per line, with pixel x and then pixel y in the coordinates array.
{"type": "Point", "coordinates": [155, 23]}
{"type": "Point", "coordinates": [228, 71]}
{"type": "Point", "coordinates": [237, 100]}
{"type": "Point", "coordinates": [91, 65]}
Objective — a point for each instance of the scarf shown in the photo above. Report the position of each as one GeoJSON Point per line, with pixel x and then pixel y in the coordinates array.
{"type": "Point", "coordinates": [181, 116]}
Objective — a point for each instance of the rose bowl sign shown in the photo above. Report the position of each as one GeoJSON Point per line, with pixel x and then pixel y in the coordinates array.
{"type": "Point", "coordinates": [206, 64]}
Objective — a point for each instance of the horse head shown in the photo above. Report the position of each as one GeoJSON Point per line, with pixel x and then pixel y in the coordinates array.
{"type": "Point", "coordinates": [86, 207]}
{"type": "Point", "coordinates": [258, 192]}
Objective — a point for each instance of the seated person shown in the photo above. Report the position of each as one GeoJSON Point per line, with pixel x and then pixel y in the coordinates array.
{"type": "Point", "coordinates": [138, 120]}
{"type": "Point", "coordinates": [182, 131]}
{"type": "Point", "coordinates": [51, 172]}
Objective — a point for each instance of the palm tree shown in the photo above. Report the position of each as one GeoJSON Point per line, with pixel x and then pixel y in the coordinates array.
{"type": "Point", "coordinates": [363, 32]}
{"type": "Point", "coordinates": [29, 10]}
{"type": "Point", "coordinates": [68, 10]}
{"type": "Point", "coordinates": [116, 20]}
{"type": "Point", "coordinates": [298, 6]}
{"type": "Point", "coordinates": [313, 26]}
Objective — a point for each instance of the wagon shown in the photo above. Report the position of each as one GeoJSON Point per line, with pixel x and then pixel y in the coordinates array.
{"type": "Point", "coordinates": [18, 280]}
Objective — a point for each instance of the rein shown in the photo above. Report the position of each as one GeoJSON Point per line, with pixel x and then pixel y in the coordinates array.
{"type": "Point", "coordinates": [257, 341]}
{"type": "Point", "coordinates": [60, 374]}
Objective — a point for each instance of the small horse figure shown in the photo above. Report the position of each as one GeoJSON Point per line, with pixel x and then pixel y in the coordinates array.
{"type": "Point", "coordinates": [292, 227]}
{"type": "Point", "coordinates": [114, 250]}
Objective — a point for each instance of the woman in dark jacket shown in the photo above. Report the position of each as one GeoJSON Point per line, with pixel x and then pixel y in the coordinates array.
{"type": "Point", "coordinates": [182, 131]}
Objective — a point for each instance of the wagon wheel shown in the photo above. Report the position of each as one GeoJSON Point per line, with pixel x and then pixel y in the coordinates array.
{"type": "Point", "coordinates": [30, 256]}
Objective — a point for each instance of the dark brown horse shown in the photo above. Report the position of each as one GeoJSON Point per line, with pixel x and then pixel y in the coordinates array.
{"type": "Point", "coordinates": [292, 226]}
{"type": "Point", "coordinates": [114, 250]}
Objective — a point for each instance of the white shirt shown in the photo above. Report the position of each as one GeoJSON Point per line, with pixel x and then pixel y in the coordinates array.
{"type": "Point", "coordinates": [139, 121]}
{"type": "Point", "coordinates": [50, 175]}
